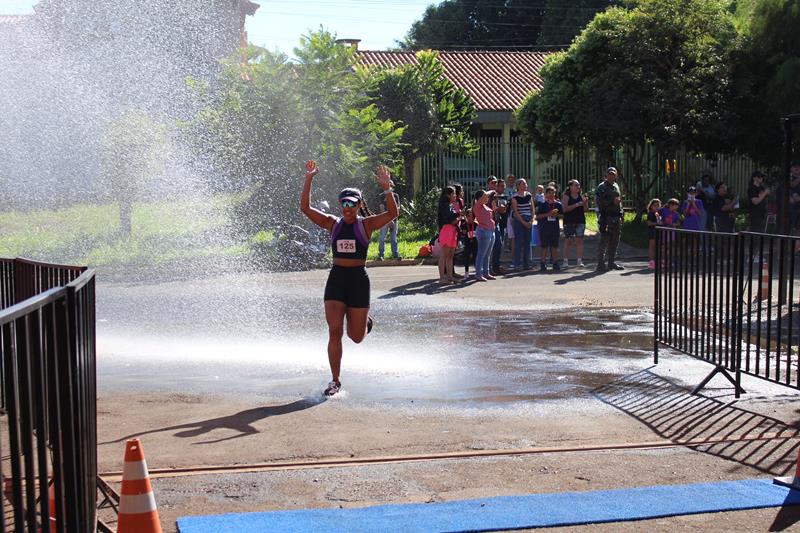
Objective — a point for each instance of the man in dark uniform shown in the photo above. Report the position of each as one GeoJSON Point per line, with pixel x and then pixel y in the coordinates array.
{"type": "Point", "coordinates": [609, 221]}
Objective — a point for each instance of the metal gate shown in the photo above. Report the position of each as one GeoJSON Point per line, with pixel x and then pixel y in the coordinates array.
{"type": "Point", "coordinates": [48, 392]}
{"type": "Point", "coordinates": [730, 300]}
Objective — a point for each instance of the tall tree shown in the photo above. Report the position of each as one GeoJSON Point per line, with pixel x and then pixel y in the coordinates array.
{"type": "Point", "coordinates": [766, 76]}
{"type": "Point", "coordinates": [563, 21]}
{"type": "Point", "coordinates": [477, 24]}
{"type": "Point", "coordinates": [655, 73]}
{"type": "Point", "coordinates": [264, 118]}
{"type": "Point", "coordinates": [434, 112]}
{"type": "Point", "coordinates": [133, 150]}
{"type": "Point", "coordinates": [505, 24]}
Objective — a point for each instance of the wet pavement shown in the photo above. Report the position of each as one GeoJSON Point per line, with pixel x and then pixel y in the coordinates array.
{"type": "Point", "coordinates": [249, 334]}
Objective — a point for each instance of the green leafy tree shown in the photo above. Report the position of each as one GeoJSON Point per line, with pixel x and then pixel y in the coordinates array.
{"type": "Point", "coordinates": [134, 148]}
{"type": "Point", "coordinates": [264, 118]}
{"type": "Point", "coordinates": [434, 112]}
{"type": "Point", "coordinates": [655, 73]}
{"type": "Point", "coordinates": [510, 24]}
{"type": "Point", "coordinates": [563, 21]}
{"type": "Point", "coordinates": [767, 77]}
{"type": "Point", "coordinates": [478, 24]}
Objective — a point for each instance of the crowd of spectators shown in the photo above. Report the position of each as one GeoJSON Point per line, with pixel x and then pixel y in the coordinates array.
{"type": "Point", "coordinates": [506, 214]}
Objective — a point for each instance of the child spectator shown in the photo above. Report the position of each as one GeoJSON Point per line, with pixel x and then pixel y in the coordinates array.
{"type": "Point", "coordinates": [547, 213]}
{"type": "Point", "coordinates": [692, 210]}
{"type": "Point", "coordinates": [539, 197]}
{"type": "Point", "coordinates": [468, 237]}
{"type": "Point", "coordinates": [669, 214]}
{"type": "Point", "coordinates": [575, 206]}
{"type": "Point", "coordinates": [653, 220]}
{"type": "Point", "coordinates": [448, 238]}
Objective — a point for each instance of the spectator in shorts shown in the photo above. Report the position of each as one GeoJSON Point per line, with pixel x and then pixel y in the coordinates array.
{"type": "Point", "coordinates": [548, 213]}
{"type": "Point", "coordinates": [448, 239]}
{"type": "Point", "coordinates": [575, 206]}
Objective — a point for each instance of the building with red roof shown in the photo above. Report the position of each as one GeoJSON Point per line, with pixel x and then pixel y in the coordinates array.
{"type": "Point", "coordinates": [498, 82]}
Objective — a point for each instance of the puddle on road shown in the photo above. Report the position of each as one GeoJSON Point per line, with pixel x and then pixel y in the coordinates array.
{"type": "Point", "coordinates": [440, 358]}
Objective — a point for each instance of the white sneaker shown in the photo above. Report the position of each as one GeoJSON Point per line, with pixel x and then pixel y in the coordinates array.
{"type": "Point", "coordinates": [579, 263]}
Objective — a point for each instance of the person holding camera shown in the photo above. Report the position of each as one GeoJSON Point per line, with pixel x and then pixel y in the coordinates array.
{"type": "Point", "coordinates": [757, 195]}
{"type": "Point", "coordinates": [609, 221]}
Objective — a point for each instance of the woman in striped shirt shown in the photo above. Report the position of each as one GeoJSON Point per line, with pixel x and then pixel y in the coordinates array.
{"type": "Point", "coordinates": [522, 208]}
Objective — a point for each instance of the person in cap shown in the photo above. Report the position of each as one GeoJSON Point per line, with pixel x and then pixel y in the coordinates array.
{"type": "Point", "coordinates": [693, 211]}
{"type": "Point", "coordinates": [757, 201]}
{"type": "Point", "coordinates": [347, 290]}
{"type": "Point", "coordinates": [609, 221]}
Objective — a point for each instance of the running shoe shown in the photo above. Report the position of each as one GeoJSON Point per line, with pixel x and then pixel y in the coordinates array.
{"type": "Point", "coordinates": [579, 263]}
{"type": "Point", "coordinates": [369, 324]}
{"type": "Point", "coordinates": [333, 387]}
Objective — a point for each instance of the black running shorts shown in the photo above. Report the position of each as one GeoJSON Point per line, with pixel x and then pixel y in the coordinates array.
{"type": "Point", "coordinates": [349, 285]}
{"type": "Point", "coordinates": [548, 237]}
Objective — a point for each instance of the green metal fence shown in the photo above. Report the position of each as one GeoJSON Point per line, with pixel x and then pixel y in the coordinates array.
{"type": "Point", "coordinates": [499, 158]}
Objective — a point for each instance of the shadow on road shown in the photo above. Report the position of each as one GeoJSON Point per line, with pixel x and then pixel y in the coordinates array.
{"type": "Point", "coordinates": [675, 414]}
{"type": "Point", "coordinates": [241, 422]}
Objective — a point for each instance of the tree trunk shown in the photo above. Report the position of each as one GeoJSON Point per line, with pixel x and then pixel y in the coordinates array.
{"type": "Point", "coordinates": [125, 216]}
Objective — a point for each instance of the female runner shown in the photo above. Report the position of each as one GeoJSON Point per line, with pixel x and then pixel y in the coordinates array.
{"type": "Point", "coordinates": [347, 290]}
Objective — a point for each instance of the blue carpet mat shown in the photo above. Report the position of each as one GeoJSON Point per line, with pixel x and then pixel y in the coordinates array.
{"type": "Point", "coordinates": [510, 512]}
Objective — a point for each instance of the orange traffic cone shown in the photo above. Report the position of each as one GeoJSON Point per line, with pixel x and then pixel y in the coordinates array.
{"type": "Point", "coordinates": [137, 504]}
{"type": "Point", "coordinates": [51, 493]}
{"type": "Point", "coordinates": [793, 482]}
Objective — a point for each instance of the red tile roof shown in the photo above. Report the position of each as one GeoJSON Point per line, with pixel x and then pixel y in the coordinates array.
{"type": "Point", "coordinates": [14, 19]}
{"type": "Point", "coordinates": [496, 81]}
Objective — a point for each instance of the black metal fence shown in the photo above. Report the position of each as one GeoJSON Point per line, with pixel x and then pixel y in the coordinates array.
{"type": "Point", "coordinates": [730, 300]}
{"type": "Point", "coordinates": [48, 391]}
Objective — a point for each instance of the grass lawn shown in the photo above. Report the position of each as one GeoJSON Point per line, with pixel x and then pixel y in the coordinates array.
{"type": "Point", "coordinates": [409, 241]}
{"type": "Point", "coordinates": [633, 234]}
{"type": "Point", "coordinates": [90, 234]}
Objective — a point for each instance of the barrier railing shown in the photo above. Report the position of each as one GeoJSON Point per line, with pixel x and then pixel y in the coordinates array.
{"type": "Point", "coordinates": [728, 299]}
{"type": "Point", "coordinates": [47, 349]}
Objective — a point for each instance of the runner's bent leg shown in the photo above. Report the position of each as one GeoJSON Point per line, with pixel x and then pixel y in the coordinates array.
{"type": "Point", "coordinates": [357, 323]}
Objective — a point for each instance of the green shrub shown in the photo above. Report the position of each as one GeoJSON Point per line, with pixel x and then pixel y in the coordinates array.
{"type": "Point", "coordinates": [420, 213]}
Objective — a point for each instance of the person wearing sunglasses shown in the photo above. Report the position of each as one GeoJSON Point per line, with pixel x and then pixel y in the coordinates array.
{"type": "Point", "coordinates": [347, 290]}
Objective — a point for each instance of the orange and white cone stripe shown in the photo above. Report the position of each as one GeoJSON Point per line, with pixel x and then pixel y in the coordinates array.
{"type": "Point", "coordinates": [137, 503]}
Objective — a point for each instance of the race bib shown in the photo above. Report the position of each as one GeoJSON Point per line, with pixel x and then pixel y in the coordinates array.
{"type": "Point", "coordinates": [346, 246]}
